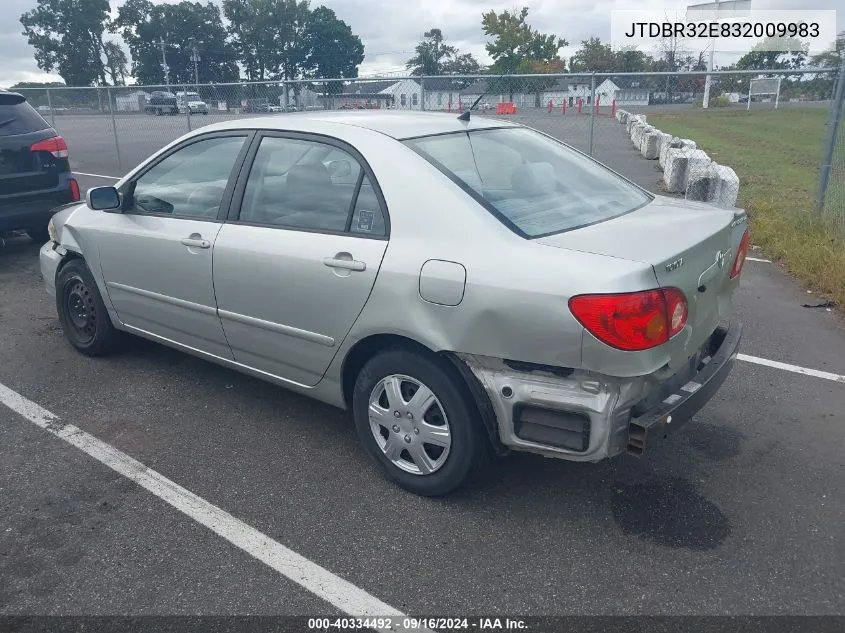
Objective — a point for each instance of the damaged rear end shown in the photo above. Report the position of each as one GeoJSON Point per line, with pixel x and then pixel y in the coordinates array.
{"type": "Point", "coordinates": [650, 358]}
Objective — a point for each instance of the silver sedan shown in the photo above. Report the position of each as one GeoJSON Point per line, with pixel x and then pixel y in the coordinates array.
{"type": "Point", "coordinates": [466, 288]}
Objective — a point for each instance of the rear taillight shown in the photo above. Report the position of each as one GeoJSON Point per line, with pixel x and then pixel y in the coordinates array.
{"type": "Point", "coordinates": [632, 321]}
{"type": "Point", "coordinates": [741, 253]}
{"type": "Point", "coordinates": [56, 146]}
{"type": "Point", "coordinates": [74, 190]}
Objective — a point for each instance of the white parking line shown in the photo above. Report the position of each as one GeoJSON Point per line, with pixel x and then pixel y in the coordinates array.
{"type": "Point", "coordinates": [757, 259]}
{"type": "Point", "coordinates": [82, 173]}
{"type": "Point", "coordinates": [793, 368]}
{"type": "Point", "coordinates": [335, 590]}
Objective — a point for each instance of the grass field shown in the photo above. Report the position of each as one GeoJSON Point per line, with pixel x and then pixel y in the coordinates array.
{"type": "Point", "coordinates": [776, 154]}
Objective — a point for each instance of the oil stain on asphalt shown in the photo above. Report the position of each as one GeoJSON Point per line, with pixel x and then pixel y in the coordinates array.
{"type": "Point", "coordinates": [669, 512]}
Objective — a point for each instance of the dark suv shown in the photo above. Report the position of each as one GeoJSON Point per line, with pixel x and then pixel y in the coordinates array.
{"type": "Point", "coordinates": [35, 175]}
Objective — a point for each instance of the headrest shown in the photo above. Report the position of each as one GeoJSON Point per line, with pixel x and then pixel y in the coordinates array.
{"type": "Point", "coordinates": [534, 179]}
{"type": "Point", "coordinates": [310, 178]}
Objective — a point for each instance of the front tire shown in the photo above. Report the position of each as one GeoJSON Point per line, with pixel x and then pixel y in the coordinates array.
{"type": "Point", "coordinates": [82, 313]}
{"type": "Point", "coordinates": [417, 420]}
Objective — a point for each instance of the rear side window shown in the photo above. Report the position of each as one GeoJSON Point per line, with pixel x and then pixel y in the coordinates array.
{"type": "Point", "coordinates": [533, 184]}
{"type": "Point", "coordinates": [304, 184]}
{"type": "Point", "coordinates": [18, 117]}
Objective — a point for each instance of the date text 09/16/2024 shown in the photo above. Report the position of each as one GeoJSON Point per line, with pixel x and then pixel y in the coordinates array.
{"type": "Point", "coordinates": [410, 624]}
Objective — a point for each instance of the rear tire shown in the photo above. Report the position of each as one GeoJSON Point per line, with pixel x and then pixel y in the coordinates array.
{"type": "Point", "coordinates": [82, 313]}
{"type": "Point", "coordinates": [387, 386]}
{"type": "Point", "coordinates": [39, 235]}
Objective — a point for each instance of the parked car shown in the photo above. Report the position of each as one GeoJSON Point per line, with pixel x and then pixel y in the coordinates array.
{"type": "Point", "coordinates": [275, 108]}
{"type": "Point", "coordinates": [160, 103]}
{"type": "Point", "coordinates": [35, 174]}
{"type": "Point", "coordinates": [256, 107]}
{"type": "Point", "coordinates": [191, 101]}
{"type": "Point", "coordinates": [461, 286]}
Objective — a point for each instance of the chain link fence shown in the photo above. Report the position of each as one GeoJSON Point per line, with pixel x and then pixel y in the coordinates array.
{"type": "Point", "coordinates": [831, 196]}
{"type": "Point", "coordinates": [611, 117]}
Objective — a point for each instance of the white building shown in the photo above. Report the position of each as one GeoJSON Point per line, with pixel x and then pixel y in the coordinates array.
{"type": "Point", "coordinates": [406, 94]}
{"type": "Point", "coordinates": [131, 102]}
{"type": "Point", "coordinates": [568, 90]}
{"type": "Point", "coordinates": [498, 91]}
{"type": "Point", "coordinates": [625, 90]}
{"type": "Point", "coordinates": [444, 94]}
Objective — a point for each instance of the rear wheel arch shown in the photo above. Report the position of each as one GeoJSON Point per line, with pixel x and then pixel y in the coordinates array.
{"type": "Point", "coordinates": [368, 347]}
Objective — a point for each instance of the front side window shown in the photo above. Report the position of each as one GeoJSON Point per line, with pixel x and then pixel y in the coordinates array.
{"type": "Point", "coordinates": [302, 184]}
{"type": "Point", "coordinates": [535, 184]}
{"type": "Point", "coordinates": [190, 182]}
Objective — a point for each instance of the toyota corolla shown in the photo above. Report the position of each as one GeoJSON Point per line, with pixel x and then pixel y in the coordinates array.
{"type": "Point", "coordinates": [464, 287]}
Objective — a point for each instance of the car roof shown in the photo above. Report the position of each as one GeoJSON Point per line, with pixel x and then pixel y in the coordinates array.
{"type": "Point", "coordinates": [398, 125]}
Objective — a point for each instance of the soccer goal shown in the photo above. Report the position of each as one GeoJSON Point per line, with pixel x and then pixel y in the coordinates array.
{"type": "Point", "coordinates": [761, 87]}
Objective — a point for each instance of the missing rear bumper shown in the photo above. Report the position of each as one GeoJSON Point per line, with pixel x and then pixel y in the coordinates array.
{"type": "Point", "coordinates": [680, 406]}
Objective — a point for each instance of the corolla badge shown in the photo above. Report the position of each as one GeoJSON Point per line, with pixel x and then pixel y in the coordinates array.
{"type": "Point", "coordinates": [675, 265]}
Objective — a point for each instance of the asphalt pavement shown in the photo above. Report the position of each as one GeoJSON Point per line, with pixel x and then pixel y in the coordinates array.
{"type": "Point", "coordinates": [741, 513]}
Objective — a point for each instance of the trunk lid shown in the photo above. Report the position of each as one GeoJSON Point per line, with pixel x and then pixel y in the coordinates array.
{"type": "Point", "coordinates": [689, 245]}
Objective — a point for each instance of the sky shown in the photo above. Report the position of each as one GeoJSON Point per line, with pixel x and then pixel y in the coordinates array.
{"type": "Point", "coordinates": [390, 29]}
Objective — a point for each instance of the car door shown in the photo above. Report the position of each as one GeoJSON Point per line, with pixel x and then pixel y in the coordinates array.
{"type": "Point", "coordinates": [156, 252]}
{"type": "Point", "coordinates": [298, 257]}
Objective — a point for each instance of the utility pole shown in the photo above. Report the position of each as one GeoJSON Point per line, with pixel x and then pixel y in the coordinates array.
{"type": "Point", "coordinates": [730, 9]}
{"type": "Point", "coordinates": [195, 58]}
{"type": "Point", "coordinates": [706, 102]}
{"type": "Point", "coordinates": [164, 65]}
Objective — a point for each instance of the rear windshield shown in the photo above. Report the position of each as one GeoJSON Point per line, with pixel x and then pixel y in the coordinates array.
{"type": "Point", "coordinates": [534, 184]}
{"type": "Point", "coordinates": [18, 117]}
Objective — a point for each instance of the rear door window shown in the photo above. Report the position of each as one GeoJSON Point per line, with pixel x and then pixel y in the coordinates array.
{"type": "Point", "coordinates": [18, 117]}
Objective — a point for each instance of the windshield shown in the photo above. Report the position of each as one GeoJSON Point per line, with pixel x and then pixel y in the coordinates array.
{"type": "Point", "coordinates": [534, 184]}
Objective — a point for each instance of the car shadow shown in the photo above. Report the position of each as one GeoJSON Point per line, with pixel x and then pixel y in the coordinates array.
{"type": "Point", "coordinates": [647, 499]}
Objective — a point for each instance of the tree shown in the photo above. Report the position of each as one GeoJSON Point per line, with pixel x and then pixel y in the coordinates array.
{"type": "Point", "coordinates": [821, 86]}
{"type": "Point", "coordinates": [431, 54]}
{"type": "Point", "coordinates": [516, 47]}
{"type": "Point", "coordinates": [462, 64]}
{"type": "Point", "coordinates": [116, 65]}
{"type": "Point", "coordinates": [593, 56]}
{"type": "Point", "coordinates": [763, 57]}
{"type": "Point", "coordinates": [630, 60]}
{"type": "Point", "coordinates": [833, 57]}
{"type": "Point", "coordinates": [333, 50]}
{"type": "Point", "coordinates": [67, 36]}
{"type": "Point", "coordinates": [434, 57]}
{"type": "Point", "coordinates": [774, 54]}
{"type": "Point", "coordinates": [292, 19]}
{"type": "Point", "coordinates": [181, 26]}
{"type": "Point", "coordinates": [253, 35]}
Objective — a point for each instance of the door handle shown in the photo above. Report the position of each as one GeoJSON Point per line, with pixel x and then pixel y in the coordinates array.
{"type": "Point", "coordinates": [346, 264]}
{"type": "Point", "coordinates": [195, 241]}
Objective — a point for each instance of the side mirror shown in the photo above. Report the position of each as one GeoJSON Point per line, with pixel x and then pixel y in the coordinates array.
{"type": "Point", "coordinates": [102, 198]}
